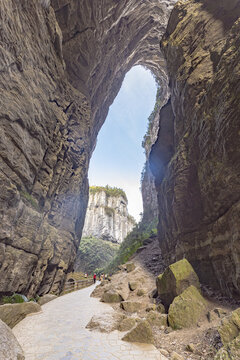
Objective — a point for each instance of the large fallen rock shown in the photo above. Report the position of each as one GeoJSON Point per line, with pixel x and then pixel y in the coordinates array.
{"type": "Point", "coordinates": [46, 298]}
{"type": "Point", "coordinates": [175, 279]}
{"type": "Point", "coordinates": [230, 351]}
{"type": "Point", "coordinates": [100, 289]}
{"type": "Point", "coordinates": [123, 289]}
{"type": "Point", "coordinates": [130, 267]}
{"type": "Point", "coordinates": [12, 314]}
{"type": "Point", "coordinates": [111, 296]}
{"type": "Point", "coordinates": [133, 285]}
{"type": "Point", "coordinates": [105, 322]}
{"type": "Point", "coordinates": [126, 324]}
{"type": "Point", "coordinates": [9, 346]}
{"type": "Point", "coordinates": [142, 333]}
{"type": "Point", "coordinates": [230, 327]}
{"type": "Point", "coordinates": [156, 319]}
{"type": "Point", "coordinates": [132, 306]}
{"type": "Point", "coordinates": [187, 309]}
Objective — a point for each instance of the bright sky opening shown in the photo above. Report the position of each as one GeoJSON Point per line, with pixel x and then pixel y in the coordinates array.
{"type": "Point", "coordinates": [119, 158]}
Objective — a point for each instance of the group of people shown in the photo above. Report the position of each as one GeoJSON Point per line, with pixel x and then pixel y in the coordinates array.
{"type": "Point", "coordinates": [101, 277]}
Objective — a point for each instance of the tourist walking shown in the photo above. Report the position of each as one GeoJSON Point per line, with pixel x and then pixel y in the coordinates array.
{"type": "Point", "coordinates": [94, 278]}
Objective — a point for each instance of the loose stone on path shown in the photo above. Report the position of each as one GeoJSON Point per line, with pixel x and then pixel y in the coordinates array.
{"type": "Point", "coordinates": [59, 333]}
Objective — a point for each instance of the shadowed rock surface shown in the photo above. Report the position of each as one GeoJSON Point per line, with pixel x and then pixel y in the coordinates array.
{"type": "Point", "coordinates": [198, 187]}
{"type": "Point", "coordinates": [61, 68]}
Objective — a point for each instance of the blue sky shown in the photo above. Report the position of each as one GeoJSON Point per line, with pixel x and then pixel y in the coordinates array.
{"type": "Point", "coordinates": [118, 158]}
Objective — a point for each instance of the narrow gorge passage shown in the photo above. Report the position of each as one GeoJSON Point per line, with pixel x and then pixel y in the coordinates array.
{"type": "Point", "coordinates": [58, 333]}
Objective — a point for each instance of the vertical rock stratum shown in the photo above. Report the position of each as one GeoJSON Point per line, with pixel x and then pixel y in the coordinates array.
{"type": "Point", "coordinates": [61, 66]}
{"type": "Point", "coordinates": [107, 215]}
{"type": "Point", "coordinates": [196, 159]}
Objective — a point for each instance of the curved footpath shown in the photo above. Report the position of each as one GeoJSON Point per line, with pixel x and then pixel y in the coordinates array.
{"type": "Point", "coordinates": [58, 333]}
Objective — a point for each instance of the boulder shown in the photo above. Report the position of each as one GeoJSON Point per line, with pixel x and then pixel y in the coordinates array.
{"type": "Point", "coordinates": [123, 290]}
{"type": "Point", "coordinates": [190, 348]}
{"type": "Point", "coordinates": [130, 267]}
{"type": "Point", "coordinates": [127, 324]}
{"type": "Point", "coordinates": [157, 319]}
{"type": "Point", "coordinates": [9, 346]}
{"type": "Point", "coordinates": [111, 296]}
{"type": "Point", "coordinates": [12, 314]}
{"type": "Point", "coordinates": [175, 279]}
{"type": "Point", "coordinates": [99, 290]}
{"type": "Point", "coordinates": [161, 308]}
{"type": "Point", "coordinates": [230, 351]}
{"type": "Point", "coordinates": [46, 298]}
{"type": "Point", "coordinates": [133, 285]}
{"type": "Point", "coordinates": [186, 309]}
{"type": "Point", "coordinates": [142, 333]}
{"type": "Point", "coordinates": [140, 292]}
{"type": "Point", "coordinates": [175, 356]}
{"type": "Point", "coordinates": [150, 307]}
{"type": "Point", "coordinates": [230, 327]}
{"type": "Point", "coordinates": [164, 352]}
{"type": "Point", "coordinates": [131, 306]}
{"type": "Point", "coordinates": [105, 322]}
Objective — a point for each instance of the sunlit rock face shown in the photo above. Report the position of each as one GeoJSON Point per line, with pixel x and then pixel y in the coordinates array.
{"type": "Point", "coordinates": [107, 217]}
{"type": "Point", "coordinates": [196, 164]}
{"type": "Point", "coordinates": [58, 78]}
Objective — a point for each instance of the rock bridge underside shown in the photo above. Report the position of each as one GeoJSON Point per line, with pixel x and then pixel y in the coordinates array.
{"type": "Point", "coordinates": [61, 67]}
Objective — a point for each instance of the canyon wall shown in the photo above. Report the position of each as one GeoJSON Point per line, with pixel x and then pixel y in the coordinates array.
{"type": "Point", "coordinates": [61, 67]}
{"type": "Point", "coordinates": [107, 215]}
{"type": "Point", "coordinates": [196, 157]}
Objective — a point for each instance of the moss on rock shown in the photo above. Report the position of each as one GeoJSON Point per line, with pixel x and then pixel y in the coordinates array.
{"type": "Point", "coordinates": [142, 333]}
{"type": "Point", "coordinates": [175, 279]}
{"type": "Point", "coordinates": [111, 296]}
{"type": "Point", "coordinates": [187, 309]}
{"type": "Point", "coordinates": [230, 328]}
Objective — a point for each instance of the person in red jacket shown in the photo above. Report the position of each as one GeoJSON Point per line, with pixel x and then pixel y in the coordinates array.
{"type": "Point", "coordinates": [94, 278]}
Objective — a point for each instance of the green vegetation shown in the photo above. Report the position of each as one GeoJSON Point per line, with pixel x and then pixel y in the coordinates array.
{"type": "Point", "coordinates": [129, 246]}
{"type": "Point", "coordinates": [95, 253]}
{"type": "Point", "coordinates": [109, 191]}
{"type": "Point", "coordinates": [131, 219]}
{"type": "Point", "coordinates": [158, 104]}
{"type": "Point", "coordinates": [109, 211]}
{"type": "Point", "coordinates": [30, 199]}
{"type": "Point", "coordinates": [14, 299]}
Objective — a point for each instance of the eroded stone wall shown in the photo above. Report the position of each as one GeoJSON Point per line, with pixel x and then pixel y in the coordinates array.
{"type": "Point", "coordinates": [199, 187]}
{"type": "Point", "coordinates": [57, 80]}
{"type": "Point", "coordinates": [44, 152]}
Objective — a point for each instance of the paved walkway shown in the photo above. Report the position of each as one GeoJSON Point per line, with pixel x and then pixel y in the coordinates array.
{"type": "Point", "coordinates": [58, 333]}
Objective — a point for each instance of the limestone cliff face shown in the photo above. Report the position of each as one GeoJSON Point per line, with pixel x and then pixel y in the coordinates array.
{"type": "Point", "coordinates": [44, 152]}
{"type": "Point", "coordinates": [107, 217]}
{"type": "Point", "coordinates": [61, 65]}
{"type": "Point", "coordinates": [196, 157]}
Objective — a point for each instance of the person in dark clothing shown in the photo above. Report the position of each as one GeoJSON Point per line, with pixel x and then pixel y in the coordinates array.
{"type": "Point", "coordinates": [94, 278]}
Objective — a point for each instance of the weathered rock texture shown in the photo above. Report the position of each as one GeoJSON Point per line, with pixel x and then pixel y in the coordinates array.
{"type": "Point", "coordinates": [196, 163]}
{"type": "Point", "coordinates": [10, 348]}
{"type": "Point", "coordinates": [107, 217]}
{"type": "Point", "coordinates": [55, 90]}
{"type": "Point", "coordinates": [44, 152]}
{"type": "Point", "coordinates": [50, 116]}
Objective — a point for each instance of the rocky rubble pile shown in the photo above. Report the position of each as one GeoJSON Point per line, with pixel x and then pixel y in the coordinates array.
{"type": "Point", "coordinates": [175, 317]}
